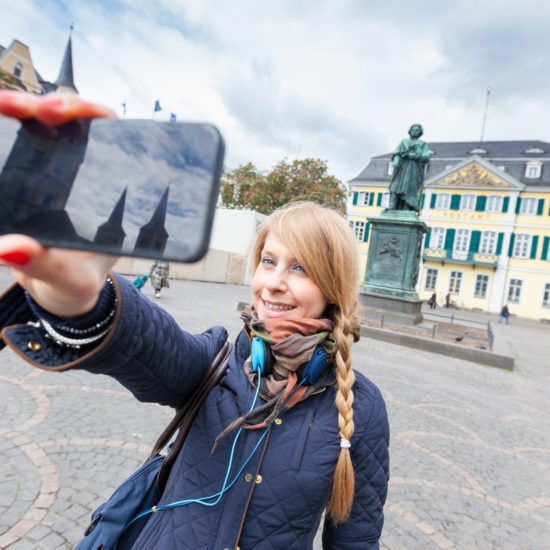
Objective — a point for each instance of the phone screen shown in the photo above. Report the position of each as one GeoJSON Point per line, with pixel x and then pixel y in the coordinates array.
{"type": "Point", "coordinates": [125, 187]}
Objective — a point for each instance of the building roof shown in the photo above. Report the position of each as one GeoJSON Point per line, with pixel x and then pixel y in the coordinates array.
{"type": "Point", "coordinates": [508, 156]}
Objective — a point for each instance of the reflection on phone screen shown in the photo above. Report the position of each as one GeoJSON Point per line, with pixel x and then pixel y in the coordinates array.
{"type": "Point", "coordinates": [126, 187]}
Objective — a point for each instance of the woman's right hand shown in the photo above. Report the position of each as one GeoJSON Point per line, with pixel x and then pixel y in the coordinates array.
{"type": "Point", "coordinates": [64, 282]}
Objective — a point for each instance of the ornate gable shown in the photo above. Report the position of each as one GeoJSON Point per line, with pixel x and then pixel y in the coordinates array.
{"type": "Point", "coordinates": [474, 173]}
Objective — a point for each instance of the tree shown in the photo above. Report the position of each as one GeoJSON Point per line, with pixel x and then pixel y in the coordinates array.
{"type": "Point", "coordinates": [306, 179]}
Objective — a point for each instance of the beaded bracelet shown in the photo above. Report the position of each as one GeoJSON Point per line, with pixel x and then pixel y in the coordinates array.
{"type": "Point", "coordinates": [96, 323]}
{"type": "Point", "coordinates": [61, 340]}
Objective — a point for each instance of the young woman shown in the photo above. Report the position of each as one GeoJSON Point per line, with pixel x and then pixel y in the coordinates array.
{"type": "Point", "coordinates": [290, 432]}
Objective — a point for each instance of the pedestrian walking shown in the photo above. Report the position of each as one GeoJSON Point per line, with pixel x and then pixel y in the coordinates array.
{"type": "Point", "coordinates": [159, 276]}
{"type": "Point", "coordinates": [504, 314]}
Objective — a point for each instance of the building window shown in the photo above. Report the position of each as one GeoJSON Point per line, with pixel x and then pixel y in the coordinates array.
{"type": "Point", "coordinates": [443, 201]}
{"type": "Point", "coordinates": [18, 70]}
{"type": "Point", "coordinates": [385, 200]}
{"type": "Point", "coordinates": [390, 168]}
{"type": "Point", "coordinates": [528, 206]}
{"type": "Point", "coordinates": [363, 198]}
{"type": "Point", "coordinates": [468, 202]}
{"type": "Point", "coordinates": [437, 238]}
{"type": "Point", "coordinates": [431, 279]}
{"type": "Point", "coordinates": [546, 295]}
{"type": "Point", "coordinates": [514, 291]}
{"type": "Point", "coordinates": [454, 282]}
{"type": "Point", "coordinates": [488, 242]}
{"type": "Point", "coordinates": [461, 244]}
{"type": "Point", "coordinates": [533, 169]}
{"type": "Point", "coordinates": [522, 245]}
{"type": "Point", "coordinates": [359, 230]}
{"type": "Point", "coordinates": [494, 203]}
{"type": "Point", "coordinates": [482, 283]}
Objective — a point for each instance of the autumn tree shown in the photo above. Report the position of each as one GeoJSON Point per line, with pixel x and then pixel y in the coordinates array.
{"type": "Point", "coordinates": [307, 179]}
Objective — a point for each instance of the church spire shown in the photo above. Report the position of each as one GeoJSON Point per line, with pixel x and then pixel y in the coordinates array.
{"type": "Point", "coordinates": [65, 80]}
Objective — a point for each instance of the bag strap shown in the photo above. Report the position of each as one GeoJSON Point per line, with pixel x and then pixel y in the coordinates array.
{"type": "Point", "coordinates": [184, 417]}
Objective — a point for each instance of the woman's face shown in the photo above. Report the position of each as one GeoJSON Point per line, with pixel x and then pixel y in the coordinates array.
{"type": "Point", "coordinates": [281, 288]}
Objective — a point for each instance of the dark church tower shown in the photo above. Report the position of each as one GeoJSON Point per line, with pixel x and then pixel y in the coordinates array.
{"type": "Point", "coordinates": [153, 235]}
{"type": "Point", "coordinates": [47, 167]}
{"type": "Point", "coordinates": [111, 232]}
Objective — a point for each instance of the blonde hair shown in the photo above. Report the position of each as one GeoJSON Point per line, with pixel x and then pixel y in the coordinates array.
{"type": "Point", "coordinates": [323, 243]}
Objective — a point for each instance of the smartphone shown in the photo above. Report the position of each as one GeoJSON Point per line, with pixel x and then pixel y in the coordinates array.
{"type": "Point", "coordinates": [125, 187]}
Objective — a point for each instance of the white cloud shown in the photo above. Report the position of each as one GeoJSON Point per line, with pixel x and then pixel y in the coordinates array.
{"type": "Point", "coordinates": [341, 81]}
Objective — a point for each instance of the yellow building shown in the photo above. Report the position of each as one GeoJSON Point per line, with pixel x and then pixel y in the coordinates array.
{"type": "Point", "coordinates": [487, 205]}
{"type": "Point", "coordinates": [17, 71]}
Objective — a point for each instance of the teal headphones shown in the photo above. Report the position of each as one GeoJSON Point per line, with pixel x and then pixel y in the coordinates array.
{"type": "Point", "coordinates": [262, 362]}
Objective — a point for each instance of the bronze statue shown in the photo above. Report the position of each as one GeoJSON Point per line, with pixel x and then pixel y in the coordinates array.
{"type": "Point", "coordinates": [409, 161]}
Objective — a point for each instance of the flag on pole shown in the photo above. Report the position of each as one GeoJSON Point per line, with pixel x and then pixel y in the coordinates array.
{"type": "Point", "coordinates": [172, 117]}
{"type": "Point", "coordinates": [157, 106]}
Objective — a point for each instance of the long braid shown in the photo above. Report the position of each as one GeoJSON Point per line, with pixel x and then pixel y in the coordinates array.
{"type": "Point", "coordinates": [343, 485]}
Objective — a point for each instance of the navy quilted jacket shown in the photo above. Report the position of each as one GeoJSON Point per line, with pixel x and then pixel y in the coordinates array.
{"type": "Point", "coordinates": [281, 484]}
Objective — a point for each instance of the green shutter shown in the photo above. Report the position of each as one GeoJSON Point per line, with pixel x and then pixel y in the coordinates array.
{"type": "Point", "coordinates": [474, 241]}
{"type": "Point", "coordinates": [455, 202]}
{"type": "Point", "coordinates": [505, 204]}
{"type": "Point", "coordinates": [379, 200]}
{"type": "Point", "coordinates": [480, 203]}
{"type": "Point", "coordinates": [534, 244]}
{"type": "Point", "coordinates": [449, 239]}
{"type": "Point", "coordinates": [511, 247]}
{"type": "Point", "coordinates": [371, 199]}
{"type": "Point", "coordinates": [544, 253]}
{"type": "Point", "coordinates": [422, 201]}
{"type": "Point", "coordinates": [499, 243]}
{"type": "Point", "coordinates": [366, 232]}
{"type": "Point", "coordinates": [540, 207]}
{"type": "Point", "coordinates": [518, 205]}
{"type": "Point", "coordinates": [432, 201]}
{"type": "Point", "coordinates": [355, 198]}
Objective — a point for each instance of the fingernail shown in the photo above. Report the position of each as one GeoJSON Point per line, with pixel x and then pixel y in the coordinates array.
{"type": "Point", "coordinates": [16, 257]}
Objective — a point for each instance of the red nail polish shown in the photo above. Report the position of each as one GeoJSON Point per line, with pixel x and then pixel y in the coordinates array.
{"type": "Point", "coordinates": [16, 257]}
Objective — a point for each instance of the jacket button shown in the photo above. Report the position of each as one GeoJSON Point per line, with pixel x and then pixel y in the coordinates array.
{"type": "Point", "coordinates": [34, 346]}
{"type": "Point", "coordinates": [248, 478]}
{"type": "Point", "coordinates": [278, 421]}
{"type": "Point", "coordinates": [259, 479]}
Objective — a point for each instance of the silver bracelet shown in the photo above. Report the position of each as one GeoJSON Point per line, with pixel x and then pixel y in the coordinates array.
{"type": "Point", "coordinates": [61, 340]}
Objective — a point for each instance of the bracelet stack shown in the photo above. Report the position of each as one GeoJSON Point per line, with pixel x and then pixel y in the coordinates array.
{"type": "Point", "coordinates": [80, 331]}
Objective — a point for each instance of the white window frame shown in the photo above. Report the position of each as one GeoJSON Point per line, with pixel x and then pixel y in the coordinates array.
{"type": "Point", "coordinates": [442, 201]}
{"type": "Point", "coordinates": [358, 227]}
{"type": "Point", "coordinates": [468, 202]}
{"type": "Point", "coordinates": [514, 291]}
{"type": "Point", "coordinates": [533, 169]}
{"type": "Point", "coordinates": [385, 200]}
{"type": "Point", "coordinates": [488, 242]}
{"type": "Point", "coordinates": [522, 245]}
{"type": "Point", "coordinates": [481, 286]}
{"type": "Point", "coordinates": [363, 198]}
{"type": "Point", "coordinates": [494, 203]}
{"type": "Point", "coordinates": [528, 206]}
{"type": "Point", "coordinates": [455, 282]}
{"type": "Point", "coordinates": [431, 278]}
{"type": "Point", "coordinates": [461, 244]}
{"type": "Point", "coordinates": [390, 168]}
{"type": "Point", "coordinates": [546, 295]}
{"type": "Point", "coordinates": [437, 238]}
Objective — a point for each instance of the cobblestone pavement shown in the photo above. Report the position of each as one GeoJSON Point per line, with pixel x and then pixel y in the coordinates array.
{"type": "Point", "coordinates": [470, 444]}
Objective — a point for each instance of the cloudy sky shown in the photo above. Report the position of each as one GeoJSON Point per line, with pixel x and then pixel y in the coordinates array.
{"type": "Point", "coordinates": [339, 80]}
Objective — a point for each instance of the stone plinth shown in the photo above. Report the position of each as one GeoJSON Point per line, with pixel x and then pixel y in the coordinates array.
{"type": "Point", "coordinates": [393, 264]}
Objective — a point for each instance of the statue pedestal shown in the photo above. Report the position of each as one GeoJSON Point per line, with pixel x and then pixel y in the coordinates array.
{"type": "Point", "coordinates": [393, 264]}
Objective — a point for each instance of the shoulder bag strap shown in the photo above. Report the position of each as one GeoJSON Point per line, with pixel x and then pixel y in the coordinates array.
{"type": "Point", "coordinates": [184, 417]}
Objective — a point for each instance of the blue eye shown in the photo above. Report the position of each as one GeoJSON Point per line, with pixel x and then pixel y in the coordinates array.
{"type": "Point", "coordinates": [268, 261]}
{"type": "Point", "coordinates": [298, 267]}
